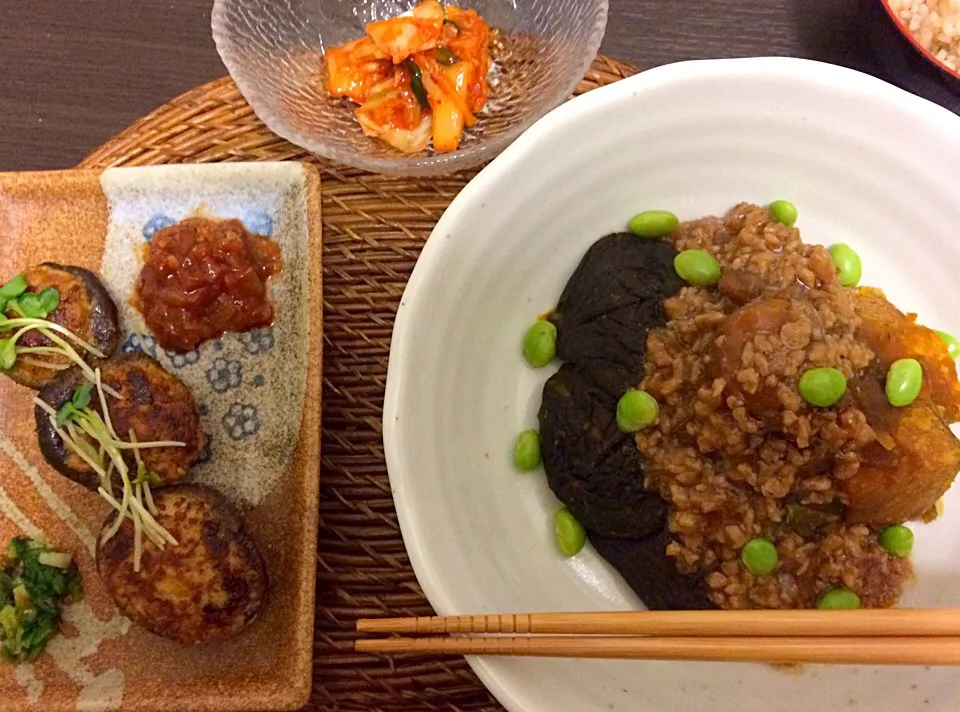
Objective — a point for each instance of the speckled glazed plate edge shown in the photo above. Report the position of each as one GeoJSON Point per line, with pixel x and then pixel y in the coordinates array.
{"type": "Point", "coordinates": [259, 395]}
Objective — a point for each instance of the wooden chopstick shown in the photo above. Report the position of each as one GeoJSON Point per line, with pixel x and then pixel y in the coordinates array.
{"type": "Point", "coordinates": [872, 651]}
{"type": "Point", "coordinates": [939, 622]}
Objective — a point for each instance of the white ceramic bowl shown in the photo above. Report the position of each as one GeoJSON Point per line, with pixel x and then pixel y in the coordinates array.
{"type": "Point", "coordinates": [865, 163]}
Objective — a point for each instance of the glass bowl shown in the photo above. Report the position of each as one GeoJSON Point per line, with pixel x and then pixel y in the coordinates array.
{"type": "Point", "coordinates": [274, 52]}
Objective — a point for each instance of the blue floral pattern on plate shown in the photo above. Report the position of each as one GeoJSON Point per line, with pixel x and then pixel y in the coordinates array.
{"type": "Point", "coordinates": [207, 450]}
{"type": "Point", "coordinates": [225, 374]}
{"type": "Point", "coordinates": [178, 360]}
{"type": "Point", "coordinates": [241, 421]}
{"type": "Point", "coordinates": [259, 222]}
{"type": "Point", "coordinates": [142, 343]}
{"type": "Point", "coordinates": [257, 341]}
{"type": "Point", "coordinates": [155, 224]}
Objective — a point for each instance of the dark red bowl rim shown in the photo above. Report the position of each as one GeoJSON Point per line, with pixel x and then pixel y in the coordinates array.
{"type": "Point", "coordinates": [905, 31]}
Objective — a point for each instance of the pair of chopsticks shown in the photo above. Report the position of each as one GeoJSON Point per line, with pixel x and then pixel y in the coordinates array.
{"type": "Point", "coordinates": [875, 637]}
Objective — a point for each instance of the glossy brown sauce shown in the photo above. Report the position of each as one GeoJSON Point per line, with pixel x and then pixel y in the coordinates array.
{"type": "Point", "coordinates": [202, 278]}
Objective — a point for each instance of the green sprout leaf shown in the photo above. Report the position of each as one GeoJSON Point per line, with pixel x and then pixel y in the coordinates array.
{"type": "Point", "coordinates": [14, 288]}
{"type": "Point", "coordinates": [8, 354]}
{"type": "Point", "coordinates": [49, 299]}
{"type": "Point", "coordinates": [14, 306]}
{"type": "Point", "coordinates": [146, 475]}
{"type": "Point", "coordinates": [81, 396]}
{"type": "Point", "coordinates": [30, 306]}
{"type": "Point", "coordinates": [67, 412]}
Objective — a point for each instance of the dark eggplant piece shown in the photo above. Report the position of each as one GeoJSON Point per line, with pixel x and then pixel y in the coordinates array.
{"type": "Point", "coordinates": [155, 404]}
{"type": "Point", "coordinates": [86, 309]}
{"type": "Point", "coordinates": [648, 570]}
{"type": "Point", "coordinates": [591, 466]}
{"type": "Point", "coordinates": [613, 299]}
{"type": "Point", "coordinates": [611, 302]}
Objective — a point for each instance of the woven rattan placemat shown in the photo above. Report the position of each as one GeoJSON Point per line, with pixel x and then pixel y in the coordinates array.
{"type": "Point", "coordinates": [373, 229]}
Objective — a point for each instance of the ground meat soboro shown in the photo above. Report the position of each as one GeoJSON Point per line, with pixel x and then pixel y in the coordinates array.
{"type": "Point", "coordinates": [737, 452]}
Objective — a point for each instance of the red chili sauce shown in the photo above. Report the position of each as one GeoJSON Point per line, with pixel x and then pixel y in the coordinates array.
{"type": "Point", "coordinates": [204, 277]}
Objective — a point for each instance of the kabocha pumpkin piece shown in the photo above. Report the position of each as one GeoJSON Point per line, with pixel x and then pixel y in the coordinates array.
{"type": "Point", "coordinates": [909, 467]}
{"type": "Point", "coordinates": [893, 335]}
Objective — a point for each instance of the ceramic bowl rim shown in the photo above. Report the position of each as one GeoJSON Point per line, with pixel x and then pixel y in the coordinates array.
{"type": "Point", "coordinates": [810, 72]}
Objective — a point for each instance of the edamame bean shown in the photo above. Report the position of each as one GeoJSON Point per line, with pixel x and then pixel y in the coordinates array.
{"type": "Point", "coordinates": [636, 410]}
{"type": "Point", "coordinates": [540, 343]}
{"type": "Point", "coordinates": [571, 536]}
{"type": "Point", "coordinates": [953, 346]}
{"type": "Point", "coordinates": [837, 599]}
{"type": "Point", "coordinates": [822, 387]}
{"type": "Point", "coordinates": [783, 211]}
{"type": "Point", "coordinates": [526, 455]}
{"type": "Point", "coordinates": [697, 267]}
{"type": "Point", "coordinates": [848, 263]}
{"type": "Point", "coordinates": [653, 223]}
{"type": "Point", "coordinates": [898, 540]}
{"type": "Point", "coordinates": [904, 380]}
{"type": "Point", "coordinates": [759, 556]}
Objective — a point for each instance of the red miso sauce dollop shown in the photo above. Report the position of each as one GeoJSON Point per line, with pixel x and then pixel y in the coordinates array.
{"type": "Point", "coordinates": [202, 278]}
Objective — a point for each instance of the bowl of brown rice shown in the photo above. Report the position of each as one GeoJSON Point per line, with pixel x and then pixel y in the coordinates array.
{"type": "Point", "coordinates": [932, 27]}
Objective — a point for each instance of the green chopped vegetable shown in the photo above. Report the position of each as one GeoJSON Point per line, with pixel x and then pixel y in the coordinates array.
{"type": "Point", "coordinates": [34, 581]}
{"type": "Point", "coordinates": [416, 83]}
{"type": "Point", "coordinates": [446, 57]}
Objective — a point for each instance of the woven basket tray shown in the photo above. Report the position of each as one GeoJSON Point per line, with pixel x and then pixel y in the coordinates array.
{"type": "Point", "coordinates": [373, 229]}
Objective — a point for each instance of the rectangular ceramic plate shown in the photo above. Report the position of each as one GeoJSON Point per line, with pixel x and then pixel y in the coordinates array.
{"type": "Point", "coordinates": [259, 398]}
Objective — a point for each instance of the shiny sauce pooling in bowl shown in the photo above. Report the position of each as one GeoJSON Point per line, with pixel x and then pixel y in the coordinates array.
{"type": "Point", "coordinates": [202, 278]}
